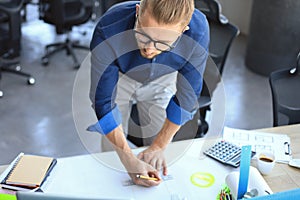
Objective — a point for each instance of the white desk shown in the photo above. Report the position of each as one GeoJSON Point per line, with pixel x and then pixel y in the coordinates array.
{"type": "Point", "coordinates": [86, 175]}
{"type": "Point", "coordinates": [284, 177]}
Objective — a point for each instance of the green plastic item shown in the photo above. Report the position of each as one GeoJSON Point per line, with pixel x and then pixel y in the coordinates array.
{"type": "Point", "coordinates": [8, 197]}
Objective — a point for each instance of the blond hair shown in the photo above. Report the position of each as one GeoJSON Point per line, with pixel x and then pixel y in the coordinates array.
{"type": "Point", "coordinates": [169, 11]}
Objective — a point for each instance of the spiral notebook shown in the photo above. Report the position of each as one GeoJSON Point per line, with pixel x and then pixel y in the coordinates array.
{"type": "Point", "coordinates": [29, 171]}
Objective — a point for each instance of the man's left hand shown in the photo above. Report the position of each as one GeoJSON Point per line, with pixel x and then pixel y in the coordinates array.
{"type": "Point", "coordinates": [155, 157]}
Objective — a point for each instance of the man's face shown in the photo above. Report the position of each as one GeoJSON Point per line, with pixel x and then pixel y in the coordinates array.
{"type": "Point", "coordinates": [153, 38]}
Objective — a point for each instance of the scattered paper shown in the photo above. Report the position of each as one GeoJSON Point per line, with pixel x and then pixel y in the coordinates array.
{"type": "Point", "coordinates": [279, 144]}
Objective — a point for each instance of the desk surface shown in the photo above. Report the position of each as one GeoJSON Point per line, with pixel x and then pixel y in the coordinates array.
{"type": "Point", "coordinates": [285, 177]}
{"type": "Point", "coordinates": [282, 178]}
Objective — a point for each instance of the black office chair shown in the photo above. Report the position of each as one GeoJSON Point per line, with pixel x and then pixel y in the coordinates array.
{"type": "Point", "coordinates": [285, 88]}
{"type": "Point", "coordinates": [222, 35]}
{"type": "Point", "coordinates": [65, 14]}
{"type": "Point", "coordinates": [10, 27]}
{"type": "Point", "coordinates": [222, 32]}
{"type": "Point", "coordinates": [10, 37]}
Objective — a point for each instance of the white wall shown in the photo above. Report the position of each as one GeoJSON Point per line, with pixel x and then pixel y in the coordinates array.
{"type": "Point", "coordinates": [238, 12]}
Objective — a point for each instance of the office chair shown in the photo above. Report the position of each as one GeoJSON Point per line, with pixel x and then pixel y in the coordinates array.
{"type": "Point", "coordinates": [222, 32]}
{"type": "Point", "coordinates": [285, 87]}
{"type": "Point", "coordinates": [10, 29]}
{"type": "Point", "coordinates": [222, 35]}
{"type": "Point", "coordinates": [64, 14]}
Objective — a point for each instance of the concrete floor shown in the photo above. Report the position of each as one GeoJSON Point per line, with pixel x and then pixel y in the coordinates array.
{"type": "Point", "coordinates": [50, 117]}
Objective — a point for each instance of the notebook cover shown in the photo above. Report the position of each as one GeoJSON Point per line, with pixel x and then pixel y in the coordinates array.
{"type": "Point", "coordinates": [30, 171]}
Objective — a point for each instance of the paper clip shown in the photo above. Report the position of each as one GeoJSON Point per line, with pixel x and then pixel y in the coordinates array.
{"type": "Point", "coordinates": [287, 148]}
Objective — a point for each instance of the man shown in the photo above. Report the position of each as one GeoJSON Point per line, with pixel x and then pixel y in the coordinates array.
{"type": "Point", "coordinates": [153, 53]}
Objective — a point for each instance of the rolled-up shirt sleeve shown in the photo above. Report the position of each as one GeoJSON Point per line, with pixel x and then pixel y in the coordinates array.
{"type": "Point", "coordinates": [178, 115]}
{"type": "Point", "coordinates": [104, 78]}
{"type": "Point", "coordinates": [108, 122]}
{"type": "Point", "coordinates": [104, 104]}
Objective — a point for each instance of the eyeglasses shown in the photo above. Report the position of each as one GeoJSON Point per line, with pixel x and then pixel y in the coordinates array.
{"type": "Point", "coordinates": [145, 39]}
{"type": "Point", "coordinates": [160, 46]}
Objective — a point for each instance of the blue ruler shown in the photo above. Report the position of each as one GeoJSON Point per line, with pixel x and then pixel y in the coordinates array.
{"type": "Point", "coordinates": [244, 171]}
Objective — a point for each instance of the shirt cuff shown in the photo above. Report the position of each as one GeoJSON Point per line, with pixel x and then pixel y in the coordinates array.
{"type": "Point", "coordinates": [178, 115]}
{"type": "Point", "coordinates": [108, 122]}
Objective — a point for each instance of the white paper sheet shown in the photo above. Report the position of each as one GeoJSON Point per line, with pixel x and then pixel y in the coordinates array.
{"type": "Point", "coordinates": [84, 175]}
{"type": "Point", "coordinates": [260, 141]}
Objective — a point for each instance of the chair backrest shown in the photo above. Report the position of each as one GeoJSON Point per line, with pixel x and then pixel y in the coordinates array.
{"type": "Point", "coordinates": [221, 38]}
{"type": "Point", "coordinates": [11, 5]}
{"type": "Point", "coordinates": [106, 5]}
{"type": "Point", "coordinates": [285, 87]}
{"type": "Point", "coordinates": [12, 16]}
{"type": "Point", "coordinates": [119, 3]}
{"type": "Point", "coordinates": [65, 14]}
{"type": "Point", "coordinates": [298, 63]}
{"type": "Point", "coordinates": [212, 10]}
{"type": "Point", "coordinates": [222, 32]}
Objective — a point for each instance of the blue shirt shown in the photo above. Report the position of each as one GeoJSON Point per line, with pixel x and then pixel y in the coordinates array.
{"type": "Point", "coordinates": [114, 49]}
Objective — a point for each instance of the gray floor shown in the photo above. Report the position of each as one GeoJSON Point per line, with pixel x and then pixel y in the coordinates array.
{"type": "Point", "coordinates": [39, 119]}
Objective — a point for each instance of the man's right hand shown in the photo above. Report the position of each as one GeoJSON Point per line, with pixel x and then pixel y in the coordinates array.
{"type": "Point", "coordinates": [133, 165]}
{"type": "Point", "coordinates": [136, 167]}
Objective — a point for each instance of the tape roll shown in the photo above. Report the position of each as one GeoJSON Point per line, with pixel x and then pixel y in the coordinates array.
{"type": "Point", "coordinates": [202, 179]}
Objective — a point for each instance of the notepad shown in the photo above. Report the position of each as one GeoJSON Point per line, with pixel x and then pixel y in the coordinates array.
{"type": "Point", "coordinates": [30, 171]}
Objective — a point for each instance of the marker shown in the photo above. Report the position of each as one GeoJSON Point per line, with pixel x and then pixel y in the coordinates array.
{"type": "Point", "coordinates": [146, 177]}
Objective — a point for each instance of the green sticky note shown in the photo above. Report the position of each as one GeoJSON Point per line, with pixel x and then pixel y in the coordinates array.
{"type": "Point", "coordinates": [7, 197]}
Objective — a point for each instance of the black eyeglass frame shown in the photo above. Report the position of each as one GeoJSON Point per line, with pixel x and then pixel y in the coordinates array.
{"type": "Point", "coordinates": [155, 42]}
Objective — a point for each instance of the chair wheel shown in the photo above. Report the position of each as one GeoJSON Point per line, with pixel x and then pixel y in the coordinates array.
{"type": "Point", "coordinates": [202, 129]}
{"type": "Point", "coordinates": [31, 81]}
{"type": "Point", "coordinates": [1, 94]}
{"type": "Point", "coordinates": [77, 66]}
{"type": "Point", "coordinates": [18, 68]}
{"type": "Point", "coordinates": [45, 61]}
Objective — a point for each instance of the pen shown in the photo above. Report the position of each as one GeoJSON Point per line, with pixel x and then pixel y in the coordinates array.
{"type": "Point", "coordinates": [228, 197]}
{"type": "Point", "coordinates": [146, 177]}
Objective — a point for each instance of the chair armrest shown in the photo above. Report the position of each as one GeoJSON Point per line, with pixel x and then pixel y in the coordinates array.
{"type": "Point", "coordinates": [8, 7]}
{"type": "Point", "coordinates": [204, 101]}
{"type": "Point", "coordinates": [77, 16]}
{"type": "Point", "coordinates": [84, 9]}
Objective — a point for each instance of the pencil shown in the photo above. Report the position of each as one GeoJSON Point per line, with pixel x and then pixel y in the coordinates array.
{"type": "Point", "coordinates": [147, 177]}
